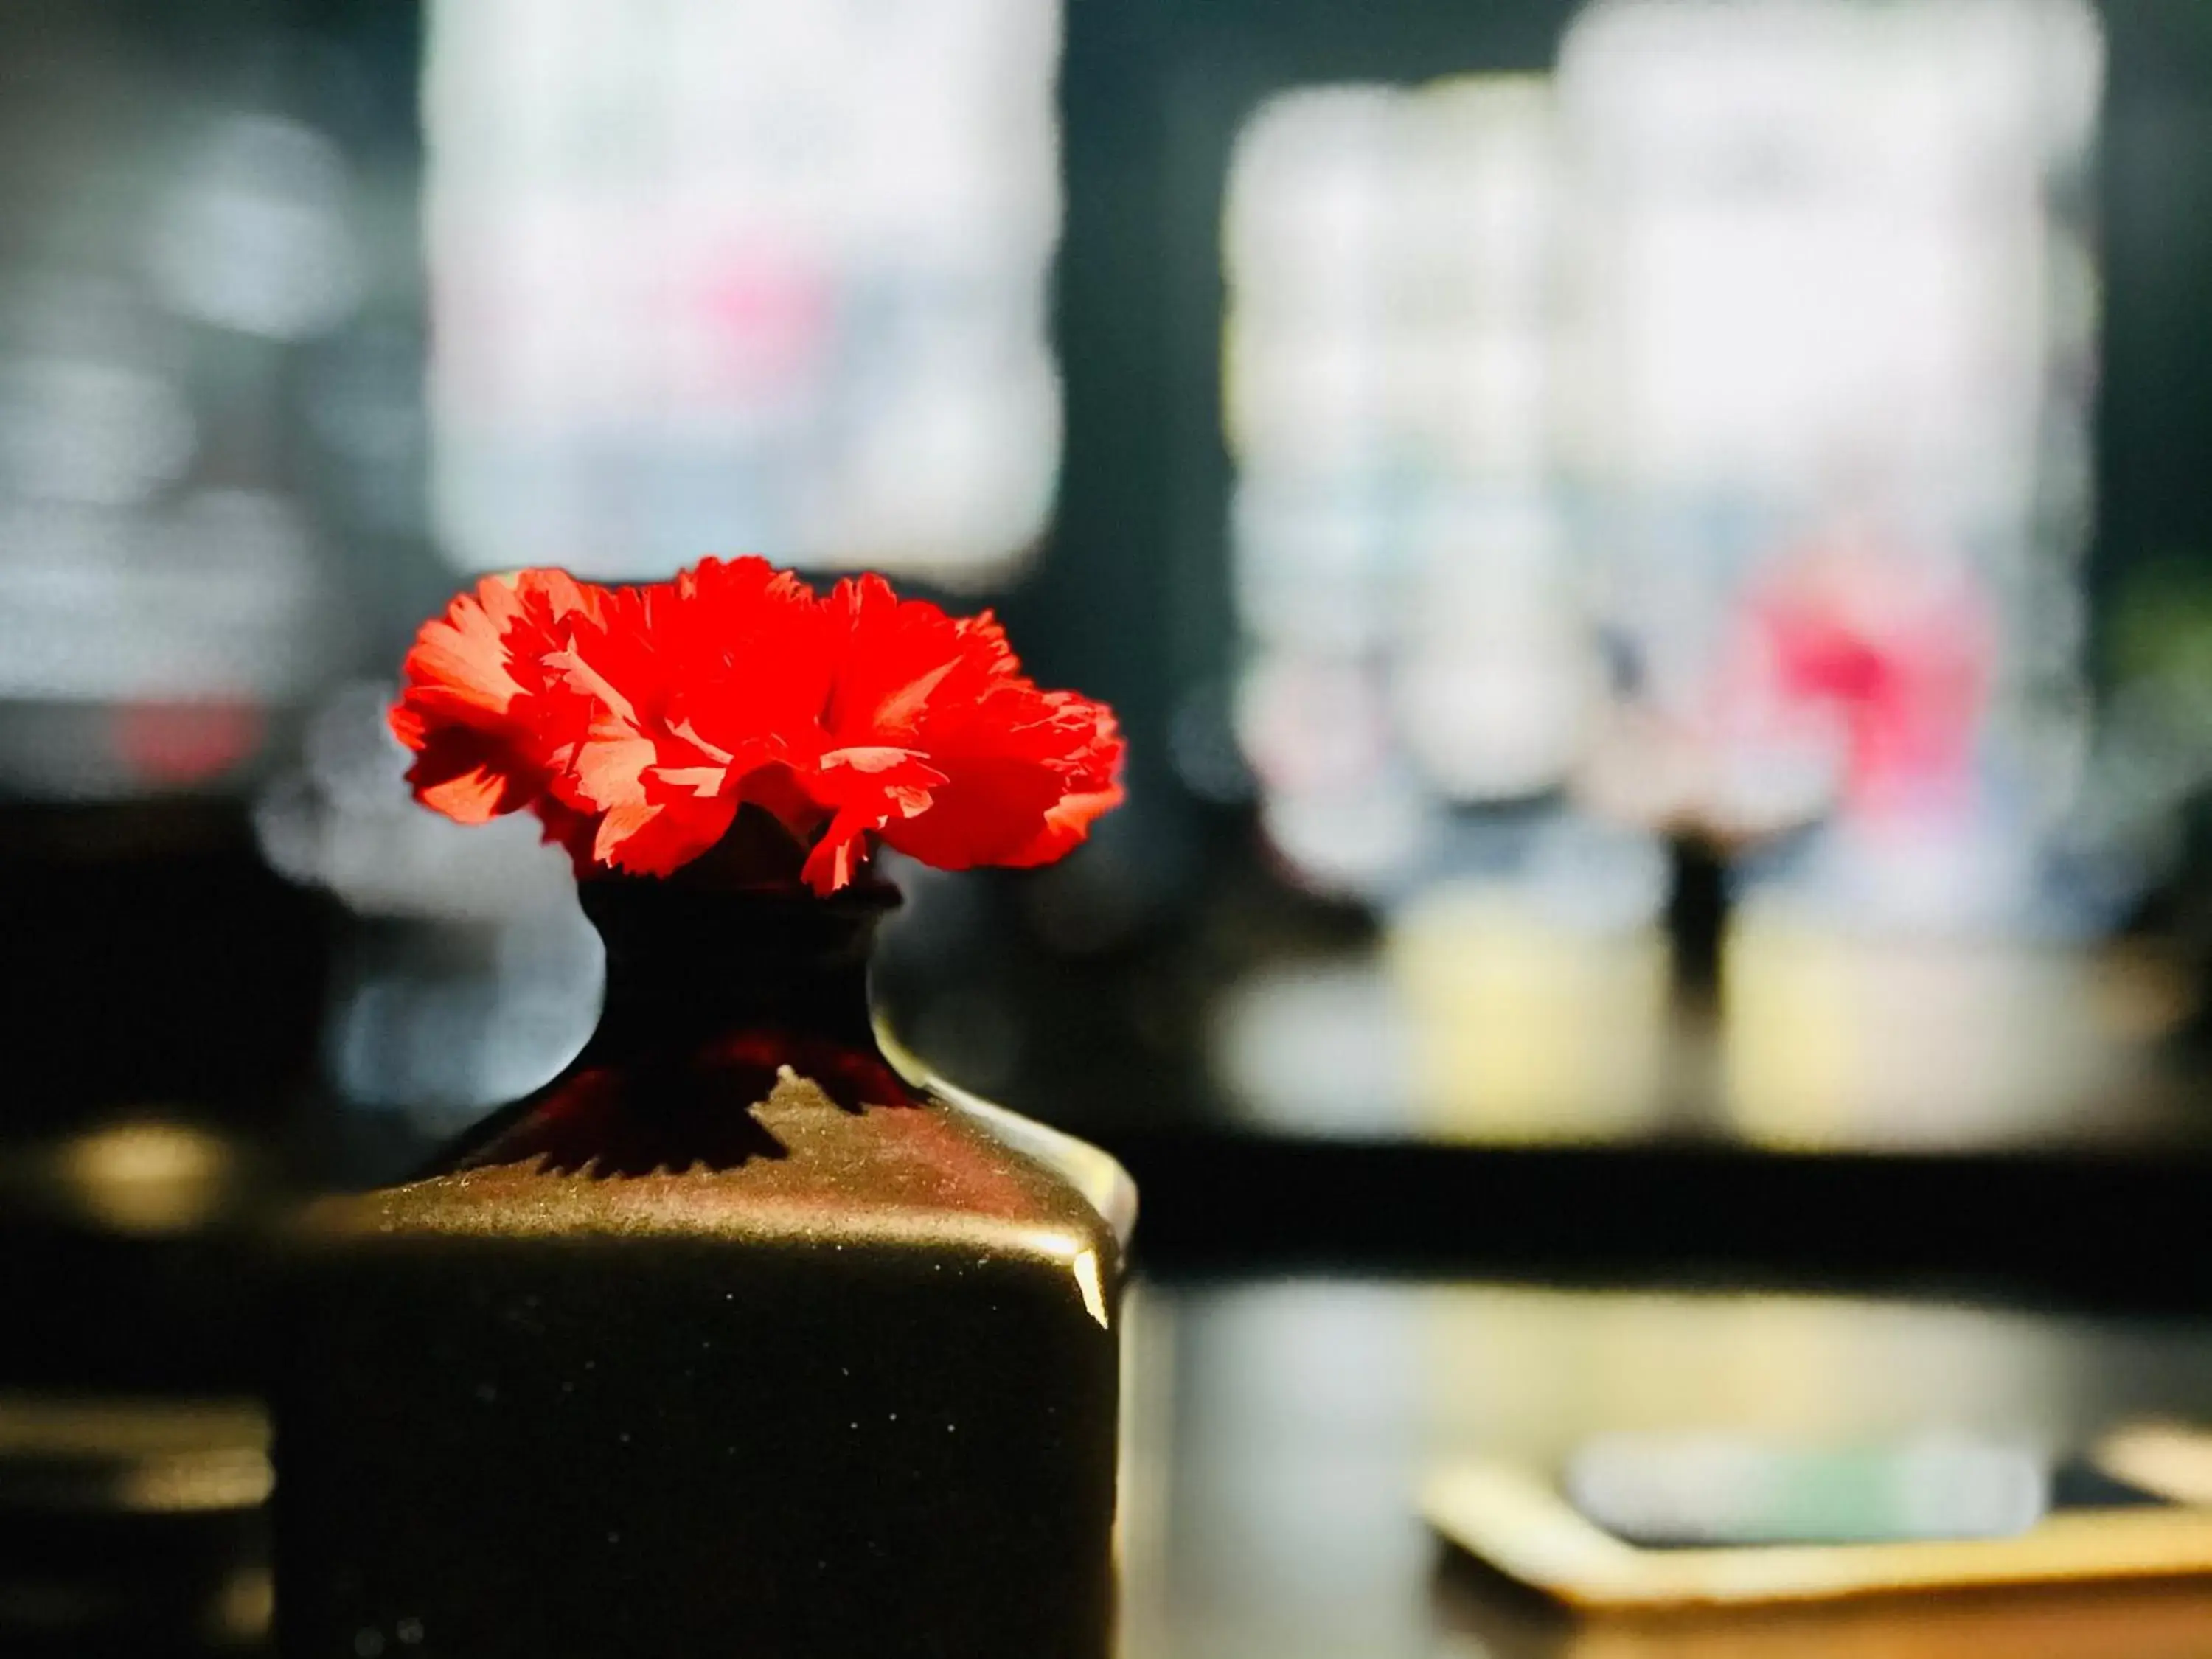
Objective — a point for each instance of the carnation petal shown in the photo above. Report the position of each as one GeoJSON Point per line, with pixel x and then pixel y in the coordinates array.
{"type": "Point", "coordinates": [635, 721]}
{"type": "Point", "coordinates": [461, 663]}
{"type": "Point", "coordinates": [656, 839]}
{"type": "Point", "coordinates": [468, 774]}
{"type": "Point", "coordinates": [1065, 825]}
{"type": "Point", "coordinates": [609, 771]}
{"type": "Point", "coordinates": [475, 796]}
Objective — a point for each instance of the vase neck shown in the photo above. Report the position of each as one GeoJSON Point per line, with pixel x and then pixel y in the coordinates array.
{"type": "Point", "coordinates": [686, 963]}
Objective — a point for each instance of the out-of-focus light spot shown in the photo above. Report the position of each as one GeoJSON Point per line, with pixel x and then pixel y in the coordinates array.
{"type": "Point", "coordinates": [226, 1481]}
{"type": "Point", "coordinates": [1474, 1020]}
{"type": "Point", "coordinates": [90, 751]}
{"type": "Point", "coordinates": [1502, 998]}
{"type": "Point", "coordinates": [176, 744]}
{"type": "Point", "coordinates": [1642, 768]}
{"type": "Point", "coordinates": [76, 429]}
{"type": "Point", "coordinates": [213, 601]}
{"type": "Point", "coordinates": [147, 1176]}
{"type": "Point", "coordinates": [1351, 842]}
{"type": "Point", "coordinates": [489, 977]}
{"type": "Point", "coordinates": [438, 1040]}
{"type": "Point", "coordinates": [1836, 1039]}
{"type": "Point", "coordinates": [140, 1455]}
{"type": "Point", "coordinates": [761, 275]}
{"type": "Point", "coordinates": [1316, 1048]}
{"type": "Point", "coordinates": [1312, 723]}
{"type": "Point", "coordinates": [1496, 726]}
{"type": "Point", "coordinates": [257, 236]}
{"type": "Point", "coordinates": [346, 822]}
{"type": "Point", "coordinates": [246, 1607]}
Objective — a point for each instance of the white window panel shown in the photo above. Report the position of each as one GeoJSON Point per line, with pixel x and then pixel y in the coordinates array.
{"type": "Point", "coordinates": [726, 275]}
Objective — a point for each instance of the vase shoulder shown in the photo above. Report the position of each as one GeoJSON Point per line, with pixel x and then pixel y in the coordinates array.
{"type": "Point", "coordinates": [954, 1174]}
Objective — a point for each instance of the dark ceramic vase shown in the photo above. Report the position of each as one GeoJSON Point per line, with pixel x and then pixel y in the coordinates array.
{"type": "Point", "coordinates": [731, 1340]}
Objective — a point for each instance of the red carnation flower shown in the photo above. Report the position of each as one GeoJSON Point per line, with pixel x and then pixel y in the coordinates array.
{"type": "Point", "coordinates": [488, 721]}
{"type": "Point", "coordinates": [637, 722]}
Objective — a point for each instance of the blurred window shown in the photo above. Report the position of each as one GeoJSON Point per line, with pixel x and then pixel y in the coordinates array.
{"type": "Point", "coordinates": [1832, 399]}
{"type": "Point", "coordinates": [1399, 543]}
{"type": "Point", "coordinates": [1692, 442]}
{"type": "Point", "coordinates": [743, 275]}
{"type": "Point", "coordinates": [1698, 434]}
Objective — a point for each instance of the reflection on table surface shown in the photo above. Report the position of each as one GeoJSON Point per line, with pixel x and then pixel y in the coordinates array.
{"type": "Point", "coordinates": [1279, 1429]}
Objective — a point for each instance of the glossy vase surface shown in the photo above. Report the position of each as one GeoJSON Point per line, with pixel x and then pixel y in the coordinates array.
{"type": "Point", "coordinates": [731, 1340]}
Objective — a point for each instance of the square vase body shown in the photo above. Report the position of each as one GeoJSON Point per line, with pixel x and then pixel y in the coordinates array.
{"type": "Point", "coordinates": [855, 1394]}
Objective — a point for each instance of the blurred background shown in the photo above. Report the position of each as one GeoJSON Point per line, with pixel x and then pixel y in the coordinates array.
{"type": "Point", "coordinates": [1656, 558]}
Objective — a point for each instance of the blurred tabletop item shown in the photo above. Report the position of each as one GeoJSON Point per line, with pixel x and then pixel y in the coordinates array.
{"type": "Point", "coordinates": [1281, 1431]}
